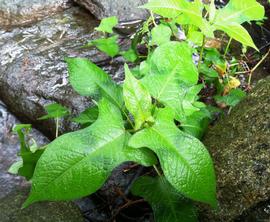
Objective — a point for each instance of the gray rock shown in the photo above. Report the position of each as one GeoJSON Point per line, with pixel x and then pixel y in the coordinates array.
{"type": "Point", "coordinates": [240, 146]}
{"type": "Point", "coordinates": [125, 10]}
{"type": "Point", "coordinates": [43, 212]}
{"type": "Point", "coordinates": [9, 146]}
{"type": "Point", "coordinates": [24, 12]}
{"type": "Point", "coordinates": [32, 68]}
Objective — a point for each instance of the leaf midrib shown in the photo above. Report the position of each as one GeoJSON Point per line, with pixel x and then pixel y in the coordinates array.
{"type": "Point", "coordinates": [83, 158]}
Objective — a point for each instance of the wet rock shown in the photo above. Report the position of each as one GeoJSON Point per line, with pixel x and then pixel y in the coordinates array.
{"type": "Point", "coordinates": [9, 146]}
{"type": "Point", "coordinates": [23, 12]}
{"type": "Point", "coordinates": [43, 212]}
{"type": "Point", "coordinates": [240, 147]}
{"type": "Point", "coordinates": [125, 10]}
{"type": "Point", "coordinates": [32, 68]}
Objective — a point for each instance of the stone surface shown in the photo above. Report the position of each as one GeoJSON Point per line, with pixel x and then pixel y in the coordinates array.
{"type": "Point", "coordinates": [43, 212]}
{"type": "Point", "coordinates": [240, 147]}
{"type": "Point", "coordinates": [23, 12]}
{"type": "Point", "coordinates": [9, 146]}
{"type": "Point", "coordinates": [32, 68]}
{"type": "Point", "coordinates": [125, 10]}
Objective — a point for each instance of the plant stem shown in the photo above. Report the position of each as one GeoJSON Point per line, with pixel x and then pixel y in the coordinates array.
{"type": "Point", "coordinates": [156, 169]}
{"type": "Point", "coordinates": [257, 65]}
{"type": "Point", "coordinates": [57, 127]}
{"type": "Point", "coordinates": [227, 47]}
{"type": "Point", "coordinates": [201, 54]}
{"type": "Point", "coordinates": [153, 18]}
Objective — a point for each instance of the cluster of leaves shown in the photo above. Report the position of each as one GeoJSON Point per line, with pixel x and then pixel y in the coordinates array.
{"type": "Point", "coordinates": [155, 117]}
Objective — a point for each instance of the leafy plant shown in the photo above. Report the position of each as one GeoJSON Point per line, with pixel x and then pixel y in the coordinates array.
{"type": "Point", "coordinates": [55, 111]}
{"type": "Point", "coordinates": [156, 117]}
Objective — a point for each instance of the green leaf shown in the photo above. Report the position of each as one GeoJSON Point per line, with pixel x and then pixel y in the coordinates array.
{"type": "Point", "coordinates": [184, 160]}
{"type": "Point", "coordinates": [130, 55]}
{"type": "Point", "coordinates": [77, 164]}
{"type": "Point", "coordinates": [233, 98]}
{"type": "Point", "coordinates": [106, 45]}
{"type": "Point", "coordinates": [88, 116]}
{"type": "Point", "coordinates": [238, 33]}
{"type": "Point", "coordinates": [137, 99]}
{"type": "Point", "coordinates": [90, 80]}
{"type": "Point", "coordinates": [29, 158]}
{"type": "Point", "coordinates": [186, 12]}
{"type": "Point", "coordinates": [240, 11]}
{"type": "Point", "coordinates": [107, 24]}
{"type": "Point", "coordinates": [54, 110]}
{"type": "Point", "coordinates": [208, 71]}
{"type": "Point", "coordinates": [167, 204]}
{"type": "Point", "coordinates": [170, 66]}
{"type": "Point", "coordinates": [235, 13]}
{"type": "Point", "coordinates": [14, 168]}
{"type": "Point", "coordinates": [160, 34]}
{"type": "Point", "coordinates": [196, 37]}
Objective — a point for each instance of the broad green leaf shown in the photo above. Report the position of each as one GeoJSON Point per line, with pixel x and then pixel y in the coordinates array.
{"type": "Point", "coordinates": [235, 13]}
{"type": "Point", "coordinates": [160, 34]}
{"type": "Point", "coordinates": [170, 66]}
{"type": "Point", "coordinates": [78, 163]}
{"type": "Point", "coordinates": [167, 204]}
{"type": "Point", "coordinates": [107, 24]}
{"type": "Point", "coordinates": [106, 45]}
{"type": "Point", "coordinates": [240, 11]}
{"type": "Point", "coordinates": [137, 99]}
{"type": "Point", "coordinates": [184, 160]}
{"type": "Point", "coordinates": [54, 110]}
{"type": "Point", "coordinates": [237, 32]}
{"type": "Point", "coordinates": [88, 116]}
{"type": "Point", "coordinates": [186, 12]}
{"type": "Point", "coordinates": [90, 80]}
{"type": "Point", "coordinates": [233, 98]}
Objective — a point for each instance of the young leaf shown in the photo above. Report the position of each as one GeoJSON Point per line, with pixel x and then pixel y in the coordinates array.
{"type": "Point", "coordinates": [29, 158]}
{"type": "Point", "coordinates": [78, 163]}
{"type": "Point", "coordinates": [167, 204]}
{"type": "Point", "coordinates": [90, 80]}
{"type": "Point", "coordinates": [130, 55]}
{"type": "Point", "coordinates": [137, 99]}
{"type": "Point", "coordinates": [233, 98]}
{"type": "Point", "coordinates": [170, 66]}
{"type": "Point", "coordinates": [107, 24]}
{"type": "Point", "coordinates": [88, 116]}
{"type": "Point", "coordinates": [185, 161]}
{"type": "Point", "coordinates": [54, 110]}
{"type": "Point", "coordinates": [160, 34]}
{"type": "Point", "coordinates": [106, 45]}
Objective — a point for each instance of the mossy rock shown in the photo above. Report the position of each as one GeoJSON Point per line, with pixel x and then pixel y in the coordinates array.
{"type": "Point", "coordinates": [42, 212]}
{"type": "Point", "coordinates": [240, 147]}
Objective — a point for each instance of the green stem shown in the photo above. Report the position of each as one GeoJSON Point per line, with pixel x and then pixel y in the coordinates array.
{"type": "Point", "coordinates": [257, 65]}
{"type": "Point", "coordinates": [153, 18]}
{"type": "Point", "coordinates": [227, 47]}
{"type": "Point", "coordinates": [156, 169]}
{"type": "Point", "coordinates": [57, 127]}
{"type": "Point", "coordinates": [201, 54]}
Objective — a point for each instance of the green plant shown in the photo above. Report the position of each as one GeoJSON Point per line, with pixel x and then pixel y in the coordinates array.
{"type": "Point", "coordinates": [55, 111]}
{"type": "Point", "coordinates": [155, 118]}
